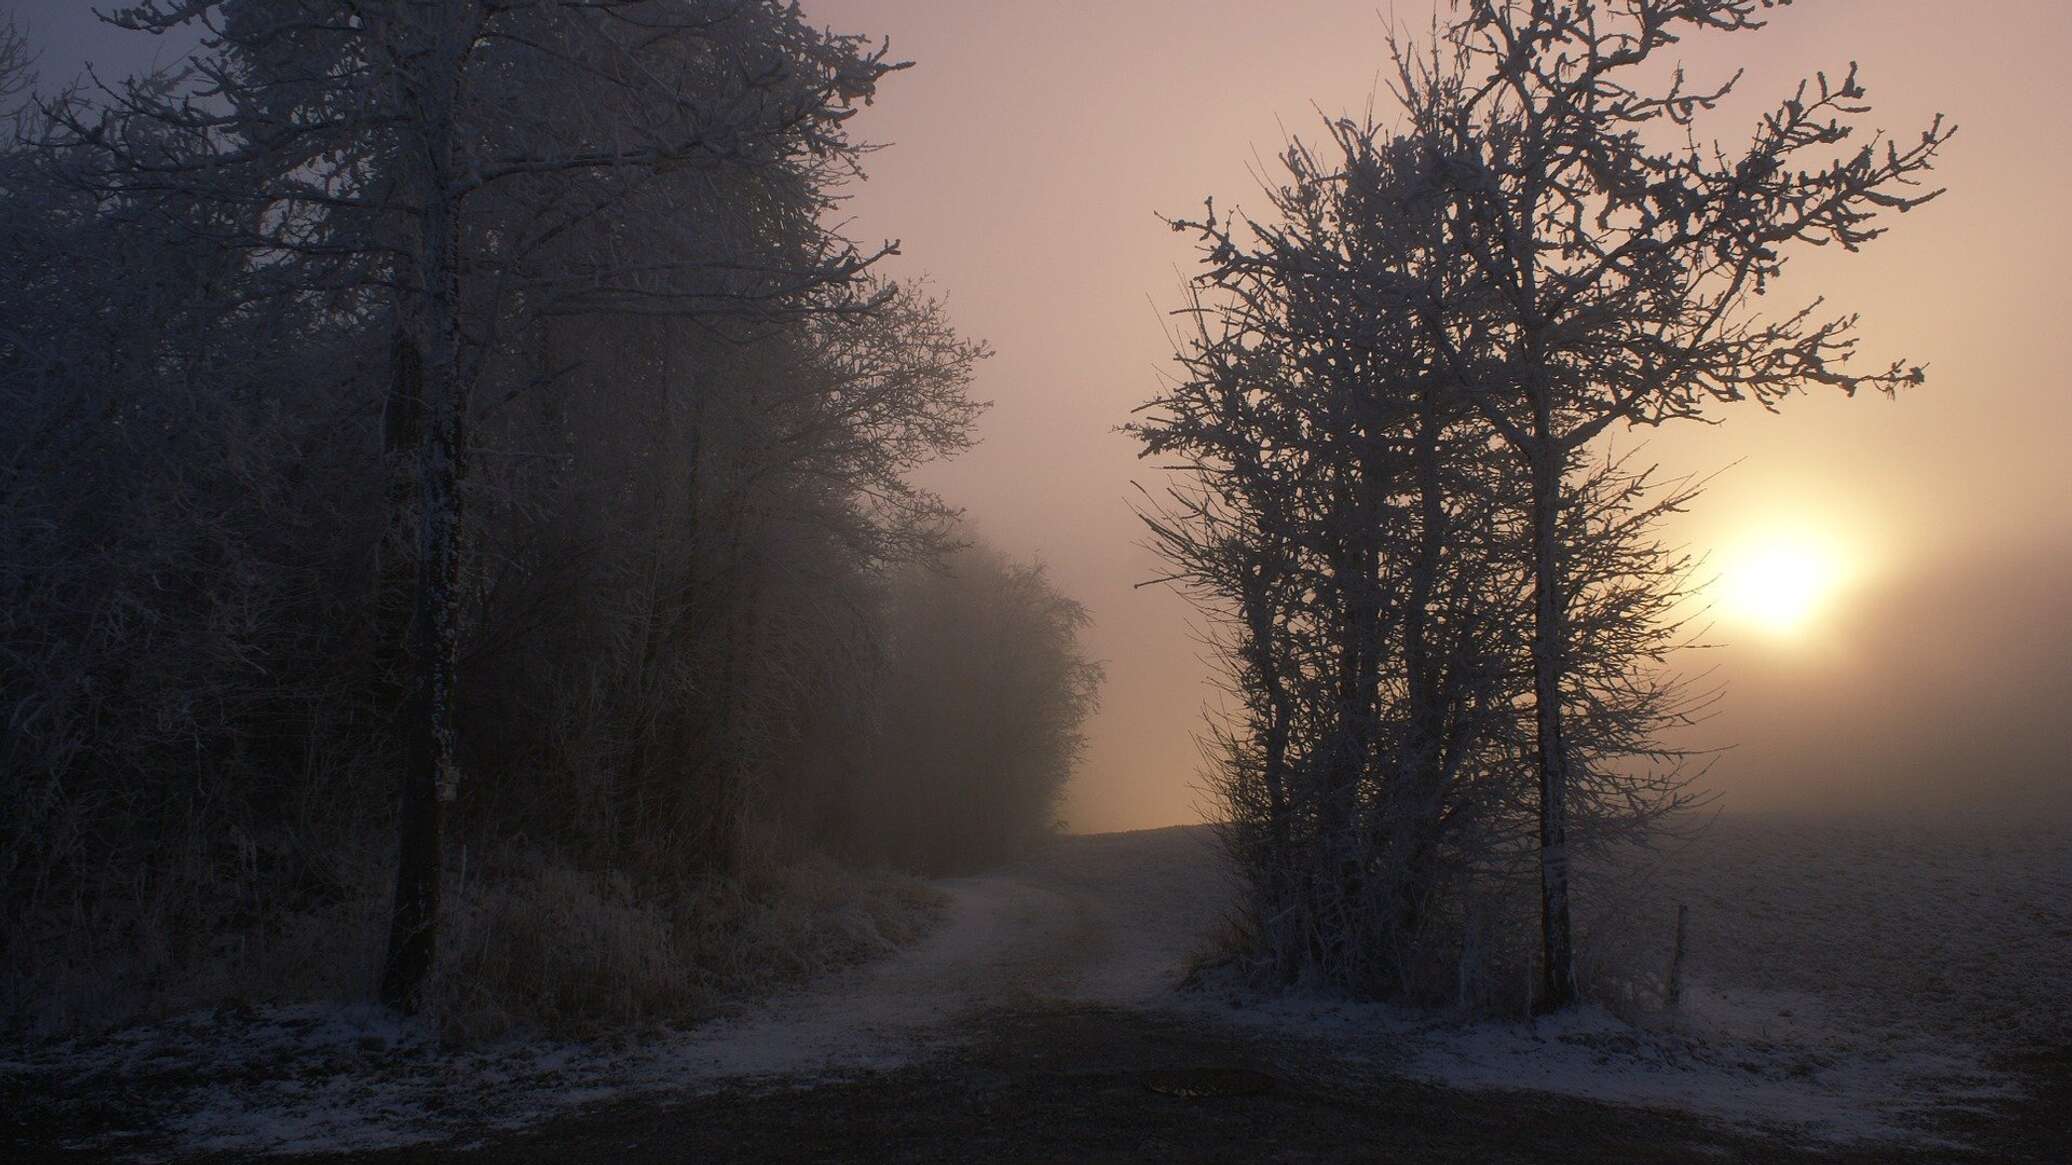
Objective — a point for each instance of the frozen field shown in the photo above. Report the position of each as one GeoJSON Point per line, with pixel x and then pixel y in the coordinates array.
{"type": "Point", "coordinates": [1848, 983]}
{"type": "Point", "coordinates": [1851, 977]}
{"type": "Point", "coordinates": [1927, 962]}
{"type": "Point", "coordinates": [1959, 932]}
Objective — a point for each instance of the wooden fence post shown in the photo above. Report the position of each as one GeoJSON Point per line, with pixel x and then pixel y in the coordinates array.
{"type": "Point", "coordinates": [1674, 992]}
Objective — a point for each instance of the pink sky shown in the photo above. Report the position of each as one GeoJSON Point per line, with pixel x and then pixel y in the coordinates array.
{"type": "Point", "coordinates": [1033, 144]}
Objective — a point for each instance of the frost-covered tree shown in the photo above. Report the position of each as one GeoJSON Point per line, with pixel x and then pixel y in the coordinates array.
{"type": "Point", "coordinates": [1345, 513]}
{"type": "Point", "coordinates": [181, 519]}
{"type": "Point", "coordinates": [1611, 263]}
{"type": "Point", "coordinates": [726, 504]}
{"type": "Point", "coordinates": [982, 691]}
{"type": "Point", "coordinates": [461, 168]}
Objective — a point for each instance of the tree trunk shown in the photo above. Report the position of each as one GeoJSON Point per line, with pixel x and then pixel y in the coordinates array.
{"type": "Point", "coordinates": [1358, 685]}
{"type": "Point", "coordinates": [722, 841]}
{"type": "Point", "coordinates": [1258, 592]}
{"type": "Point", "coordinates": [416, 906]}
{"type": "Point", "coordinates": [431, 767]}
{"type": "Point", "coordinates": [431, 770]}
{"type": "Point", "coordinates": [1415, 805]}
{"type": "Point", "coordinates": [413, 924]}
{"type": "Point", "coordinates": [395, 572]}
{"type": "Point", "coordinates": [1549, 636]}
{"type": "Point", "coordinates": [430, 773]}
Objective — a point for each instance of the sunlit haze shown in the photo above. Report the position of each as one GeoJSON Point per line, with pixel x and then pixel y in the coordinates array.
{"type": "Point", "coordinates": [1032, 147]}
{"type": "Point", "coordinates": [582, 578]}
{"type": "Point", "coordinates": [1780, 585]}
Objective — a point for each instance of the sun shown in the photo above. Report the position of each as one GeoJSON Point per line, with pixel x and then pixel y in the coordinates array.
{"type": "Point", "coordinates": [1779, 585]}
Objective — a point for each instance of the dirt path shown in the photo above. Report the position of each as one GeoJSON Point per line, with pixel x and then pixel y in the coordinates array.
{"type": "Point", "coordinates": [1038, 1021]}
{"type": "Point", "coordinates": [1068, 1084]}
{"type": "Point", "coordinates": [1092, 921]}
{"type": "Point", "coordinates": [1109, 919]}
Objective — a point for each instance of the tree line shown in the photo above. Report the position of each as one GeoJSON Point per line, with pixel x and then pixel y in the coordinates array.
{"type": "Point", "coordinates": [459, 428]}
{"type": "Point", "coordinates": [1442, 606]}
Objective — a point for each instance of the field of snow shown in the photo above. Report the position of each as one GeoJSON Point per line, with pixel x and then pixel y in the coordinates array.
{"type": "Point", "coordinates": [1846, 981]}
{"type": "Point", "coordinates": [1902, 930]}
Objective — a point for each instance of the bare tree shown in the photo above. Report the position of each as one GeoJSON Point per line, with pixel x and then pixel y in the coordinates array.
{"type": "Point", "coordinates": [983, 691]}
{"type": "Point", "coordinates": [1613, 261]}
{"type": "Point", "coordinates": [17, 69]}
{"type": "Point", "coordinates": [1343, 512]}
{"type": "Point", "coordinates": [422, 154]}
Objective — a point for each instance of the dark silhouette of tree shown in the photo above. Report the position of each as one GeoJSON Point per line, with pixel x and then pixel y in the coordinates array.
{"type": "Point", "coordinates": [983, 691]}
{"type": "Point", "coordinates": [691, 586]}
{"type": "Point", "coordinates": [1344, 510]}
{"type": "Point", "coordinates": [1609, 263]}
{"type": "Point", "coordinates": [466, 166]}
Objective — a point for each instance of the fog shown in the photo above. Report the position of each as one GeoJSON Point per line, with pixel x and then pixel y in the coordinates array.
{"type": "Point", "coordinates": [1942, 690]}
{"type": "Point", "coordinates": [1034, 146]}
{"type": "Point", "coordinates": [668, 615]}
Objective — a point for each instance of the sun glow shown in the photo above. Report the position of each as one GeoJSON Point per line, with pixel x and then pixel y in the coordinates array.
{"type": "Point", "coordinates": [1780, 585]}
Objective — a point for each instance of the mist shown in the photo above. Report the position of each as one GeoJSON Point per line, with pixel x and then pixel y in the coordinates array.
{"type": "Point", "coordinates": [900, 580]}
{"type": "Point", "coordinates": [1036, 147]}
{"type": "Point", "coordinates": [1018, 130]}
{"type": "Point", "coordinates": [1935, 693]}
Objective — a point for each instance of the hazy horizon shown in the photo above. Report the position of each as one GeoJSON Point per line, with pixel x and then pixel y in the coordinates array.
{"type": "Point", "coordinates": [482, 676]}
{"type": "Point", "coordinates": [1031, 148]}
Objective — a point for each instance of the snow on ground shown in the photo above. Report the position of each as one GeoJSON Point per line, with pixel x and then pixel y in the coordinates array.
{"type": "Point", "coordinates": [1843, 980]}
{"type": "Point", "coordinates": [1100, 920]}
{"type": "Point", "coordinates": [1957, 930]}
{"type": "Point", "coordinates": [1809, 1089]}
{"type": "Point", "coordinates": [1844, 977]}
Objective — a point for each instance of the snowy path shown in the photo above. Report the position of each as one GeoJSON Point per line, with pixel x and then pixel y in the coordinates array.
{"type": "Point", "coordinates": [1076, 954]}
{"type": "Point", "coordinates": [1110, 919]}
{"type": "Point", "coordinates": [1104, 920]}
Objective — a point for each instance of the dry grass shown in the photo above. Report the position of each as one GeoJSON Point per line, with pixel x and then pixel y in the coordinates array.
{"type": "Point", "coordinates": [1484, 960]}
{"type": "Point", "coordinates": [198, 935]}
{"type": "Point", "coordinates": [577, 953]}
{"type": "Point", "coordinates": [529, 941]}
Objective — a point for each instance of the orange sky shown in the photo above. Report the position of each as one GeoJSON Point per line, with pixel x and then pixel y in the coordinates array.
{"type": "Point", "coordinates": [1033, 143]}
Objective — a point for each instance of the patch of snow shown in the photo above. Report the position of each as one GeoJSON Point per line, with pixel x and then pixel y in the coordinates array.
{"type": "Point", "coordinates": [1841, 983]}
{"type": "Point", "coordinates": [1845, 979]}
{"type": "Point", "coordinates": [1103, 919]}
